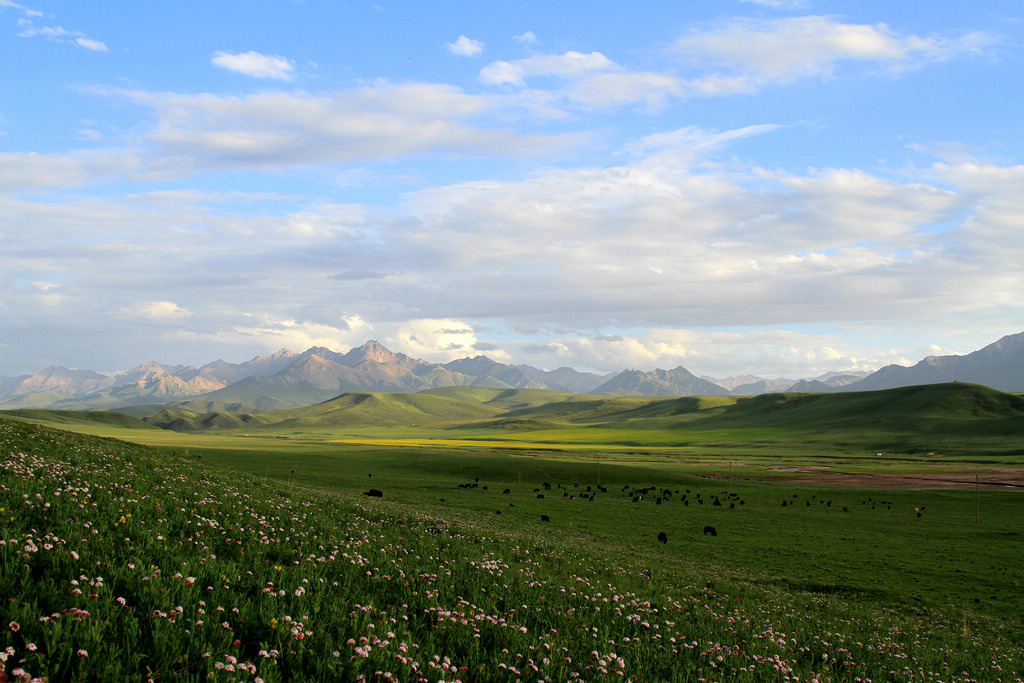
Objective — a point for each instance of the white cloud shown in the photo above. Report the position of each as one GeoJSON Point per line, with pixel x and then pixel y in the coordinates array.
{"type": "Point", "coordinates": [465, 47]}
{"type": "Point", "coordinates": [742, 56]}
{"type": "Point", "coordinates": [273, 333]}
{"type": "Point", "coordinates": [770, 353]}
{"type": "Point", "coordinates": [32, 170]}
{"type": "Point", "coordinates": [90, 44]}
{"type": "Point", "coordinates": [254, 64]}
{"type": "Point", "coordinates": [613, 89]}
{"type": "Point", "coordinates": [527, 38]}
{"type": "Point", "coordinates": [378, 121]}
{"type": "Point", "coordinates": [566, 66]}
{"type": "Point", "coordinates": [156, 311]}
{"type": "Point", "coordinates": [436, 340]}
{"type": "Point", "coordinates": [57, 34]}
{"type": "Point", "coordinates": [22, 8]}
{"type": "Point", "coordinates": [756, 53]}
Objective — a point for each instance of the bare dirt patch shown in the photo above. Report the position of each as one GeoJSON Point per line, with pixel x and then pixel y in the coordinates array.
{"type": "Point", "coordinates": [989, 479]}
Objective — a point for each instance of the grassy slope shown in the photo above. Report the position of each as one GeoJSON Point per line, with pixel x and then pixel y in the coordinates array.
{"type": "Point", "coordinates": [72, 417]}
{"type": "Point", "coordinates": [388, 585]}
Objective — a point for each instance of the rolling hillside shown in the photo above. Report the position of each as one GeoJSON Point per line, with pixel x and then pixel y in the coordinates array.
{"type": "Point", "coordinates": [72, 417]}
{"type": "Point", "coordinates": [952, 409]}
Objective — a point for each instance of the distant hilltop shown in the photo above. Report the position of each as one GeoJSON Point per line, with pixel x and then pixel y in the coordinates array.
{"type": "Point", "coordinates": [288, 380]}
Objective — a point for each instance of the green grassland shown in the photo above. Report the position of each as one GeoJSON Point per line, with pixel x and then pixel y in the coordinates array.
{"type": "Point", "coordinates": [942, 568]}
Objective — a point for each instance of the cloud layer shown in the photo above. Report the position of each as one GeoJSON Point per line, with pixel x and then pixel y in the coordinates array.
{"type": "Point", "coordinates": [551, 207]}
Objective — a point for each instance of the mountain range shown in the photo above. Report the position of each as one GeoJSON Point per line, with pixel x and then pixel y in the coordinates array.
{"type": "Point", "coordinates": [288, 380]}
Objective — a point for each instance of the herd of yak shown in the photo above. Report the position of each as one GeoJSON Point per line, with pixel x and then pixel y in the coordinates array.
{"type": "Point", "coordinates": [637, 495]}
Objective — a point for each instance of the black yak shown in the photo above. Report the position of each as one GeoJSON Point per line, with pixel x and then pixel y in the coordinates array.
{"type": "Point", "coordinates": [545, 518]}
{"type": "Point", "coordinates": [375, 493]}
{"type": "Point", "coordinates": [662, 537]}
{"type": "Point", "coordinates": [710, 530]}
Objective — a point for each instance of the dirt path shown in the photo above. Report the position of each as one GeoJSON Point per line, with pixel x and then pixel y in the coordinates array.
{"type": "Point", "coordinates": [989, 479]}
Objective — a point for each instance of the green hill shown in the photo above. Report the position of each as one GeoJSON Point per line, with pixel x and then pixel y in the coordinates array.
{"type": "Point", "coordinates": [196, 405]}
{"type": "Point", "coordinates": [350, 409]}
{"type": "Point", "coordinates": [373, 409]}
{"type": "Point", "coordinates": [186, 421]}
{"type": "Point", "coordinates": [953, 418]}
{"type": "Point", "coordinates": [77, 417]}
{"type": "Point", "coordinates": [906, 407]}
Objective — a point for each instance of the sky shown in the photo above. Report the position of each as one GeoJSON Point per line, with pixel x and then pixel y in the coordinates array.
{"type": "Point", "coordinates": [771, 187]}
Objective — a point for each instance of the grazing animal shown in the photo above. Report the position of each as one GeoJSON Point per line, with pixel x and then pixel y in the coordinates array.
{"type": "Point", "coordinates": [442, 500]}
{"type": "Point", "coordinates": [374, 493]}
{"type": "Point", "coordinates": [732, 506]}
{"type": "Point", "coordinates": [497, 512]}
{"type": "Point", "coordinates": [710, 530]}
{"type": "Point", "coordinates": [545, 518]}
{"type": "Point", "coordinates": [662, 537]}
{"type": "Point", "coordinates": [507, 491]}
{"type": "Point", "coordinates": [540, 496]}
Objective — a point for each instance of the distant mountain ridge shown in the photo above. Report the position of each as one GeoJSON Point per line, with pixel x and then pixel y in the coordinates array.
{"type": "Point", "coordinates": [286, 379]}
{"type": "Point", "coordinates": [1000, 365]}
{"type": "Point", "coordinates": [676, 382]}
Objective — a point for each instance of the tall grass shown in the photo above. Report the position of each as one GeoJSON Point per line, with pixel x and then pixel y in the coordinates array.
{"type": "Point", "coordinates": [119, 562]}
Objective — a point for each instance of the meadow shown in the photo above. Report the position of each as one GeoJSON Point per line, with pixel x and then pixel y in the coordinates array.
{"type": "Point", "coordinates": [255, 555]}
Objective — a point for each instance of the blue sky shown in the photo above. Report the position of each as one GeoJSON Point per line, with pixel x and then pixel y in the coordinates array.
{"type": "Point", "coordinates": [776, 187]}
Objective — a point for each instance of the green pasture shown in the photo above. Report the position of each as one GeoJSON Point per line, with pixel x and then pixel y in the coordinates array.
{"type": "Point", "coordinates": [953, 549]}
{"type": "Point", "coordinates": [846, 540]}
{"type": "Point", "coordinates": [234, 558]}
{"type": "Point", "coordinates": [964, 551]}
